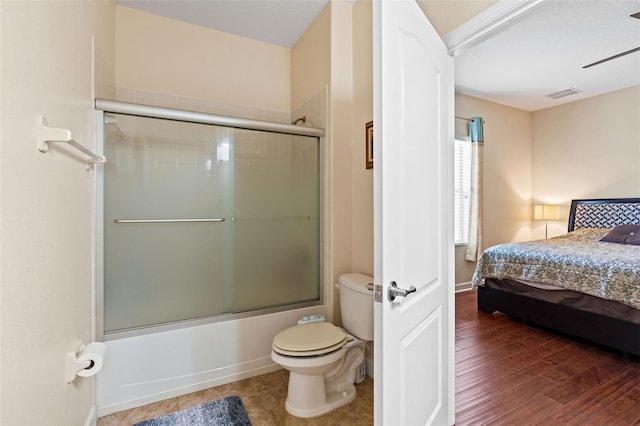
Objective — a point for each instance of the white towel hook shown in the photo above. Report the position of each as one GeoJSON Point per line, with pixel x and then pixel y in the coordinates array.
{"type": "Point", "coordinates": [45, 134]}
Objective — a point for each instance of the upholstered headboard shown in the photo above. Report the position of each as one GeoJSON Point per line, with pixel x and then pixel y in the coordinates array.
{"type": "Point", "coordinates": [603, 213]}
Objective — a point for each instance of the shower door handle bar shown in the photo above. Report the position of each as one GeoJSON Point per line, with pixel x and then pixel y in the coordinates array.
{"type": "Point", "coordinates": [272, 218]}
{"type": "Point", "coordinates": [217, 219]}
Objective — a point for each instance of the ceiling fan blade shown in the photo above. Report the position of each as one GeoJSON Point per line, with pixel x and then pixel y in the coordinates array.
{"type": "Point", "coordinates": [635, 15]}
{"type": "Point", "coordinates": [612, 57]}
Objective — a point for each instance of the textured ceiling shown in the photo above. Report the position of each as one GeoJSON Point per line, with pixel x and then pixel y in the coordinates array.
{"type": "Point", "coordinates": [545, 52]}
{"type": "Point", "coordinates": [542, 54]}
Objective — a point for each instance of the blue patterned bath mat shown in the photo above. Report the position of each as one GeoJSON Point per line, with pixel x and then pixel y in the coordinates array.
{"type": "Point", "coordinates": [227, 411]}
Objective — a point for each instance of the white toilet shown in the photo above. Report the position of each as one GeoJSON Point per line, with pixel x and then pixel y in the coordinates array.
{"type": "Point", "coordinates": [322, 359]}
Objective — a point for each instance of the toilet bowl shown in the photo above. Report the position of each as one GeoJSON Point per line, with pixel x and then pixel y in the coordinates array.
{"type": "Point", "coordinates": [322, 359]}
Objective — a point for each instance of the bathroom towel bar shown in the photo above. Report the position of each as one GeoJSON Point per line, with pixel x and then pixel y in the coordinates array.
{"type": "Point", "coordinates": [221, 219]}
{"type": "Point", "coordinates": [45, 135]}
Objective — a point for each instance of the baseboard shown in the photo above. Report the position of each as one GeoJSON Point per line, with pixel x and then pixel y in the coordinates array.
{"type": "Point", "coordinates": [463, 286]}
{"type": "Point", "coordinates": [92, 418]}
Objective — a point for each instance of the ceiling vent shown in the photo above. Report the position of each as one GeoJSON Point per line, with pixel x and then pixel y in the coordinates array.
{"type": "Point", "coordinates": [563, 93]}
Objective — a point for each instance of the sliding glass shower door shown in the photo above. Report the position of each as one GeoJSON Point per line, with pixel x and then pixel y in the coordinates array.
{"type": "Point", "coordinates": [203, 220]}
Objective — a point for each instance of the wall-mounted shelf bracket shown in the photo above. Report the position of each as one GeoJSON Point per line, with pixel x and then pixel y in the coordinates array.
{"type": "Point", "coordinates": [45, 135]}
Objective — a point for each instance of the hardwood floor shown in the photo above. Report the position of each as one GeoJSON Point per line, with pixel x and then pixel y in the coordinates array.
{"type": "Point", "coordinates": [508, 373]}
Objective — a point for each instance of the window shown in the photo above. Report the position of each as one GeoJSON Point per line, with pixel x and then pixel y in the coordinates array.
{"type": "Point", "coordinates": [462, 197]}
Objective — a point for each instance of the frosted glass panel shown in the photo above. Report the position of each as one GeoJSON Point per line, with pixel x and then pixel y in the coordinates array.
{"type": "Point", "coordinates": [276, 247]}
{"type": "Point", "coordinates": [264, 254]}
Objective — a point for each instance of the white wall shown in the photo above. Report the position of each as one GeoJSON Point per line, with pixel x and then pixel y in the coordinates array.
{"type": "Point", "coordinates": [341, 148]}
{"type": "Point", "coordinates": [323, 57]}
{"type": "Point", "coordinates": [586, 149]}
{"type": "Point", "coordinates": [362, 185]}
{"type": "Point", "coordinates": [311, 79]}
{"type": "Point", "coordinates": [46, 277]}
{"type": "Point", "coordinates": [168, 57]}
{"type": "Point", "coordinates": [311, 60]}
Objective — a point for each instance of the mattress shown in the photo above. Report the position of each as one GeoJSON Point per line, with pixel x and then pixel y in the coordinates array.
{"type": "Point", "coordinates": [577, 261]}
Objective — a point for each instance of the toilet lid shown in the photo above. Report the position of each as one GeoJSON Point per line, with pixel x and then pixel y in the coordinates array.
{"type": "Point", "coordinates": [309, 339]}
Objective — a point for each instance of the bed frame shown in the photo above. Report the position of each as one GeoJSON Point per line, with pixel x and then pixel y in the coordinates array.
{"type": "Point", "coordinates": [597, 328]}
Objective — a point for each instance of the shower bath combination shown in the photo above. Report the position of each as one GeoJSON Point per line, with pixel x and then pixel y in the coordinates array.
{"type": "Point", "coordinates": [208, 235]}
{"type": "Point", "coordinates": [205, 217]}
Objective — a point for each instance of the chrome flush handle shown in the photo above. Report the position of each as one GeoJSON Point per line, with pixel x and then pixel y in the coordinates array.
{"type": "Point", "coordinates": [395, 291]}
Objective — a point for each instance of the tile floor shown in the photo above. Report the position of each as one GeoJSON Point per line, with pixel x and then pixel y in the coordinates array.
{"type": "Point", "coordinates": [263, 397]}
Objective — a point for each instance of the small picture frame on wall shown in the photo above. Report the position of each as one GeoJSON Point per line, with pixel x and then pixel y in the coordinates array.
{"type": "Point", "coordinates": [369, 145]}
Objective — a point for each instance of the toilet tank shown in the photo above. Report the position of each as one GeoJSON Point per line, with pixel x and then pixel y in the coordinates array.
{"type": "Point", "coordinates": [356, 304]}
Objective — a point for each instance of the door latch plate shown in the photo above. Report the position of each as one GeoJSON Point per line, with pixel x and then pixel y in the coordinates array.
{"type": "Point", "coordinates": [377, 294]}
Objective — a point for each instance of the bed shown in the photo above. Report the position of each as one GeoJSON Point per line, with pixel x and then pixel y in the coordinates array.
{"type": "Point", "coordinates": [592, 293]}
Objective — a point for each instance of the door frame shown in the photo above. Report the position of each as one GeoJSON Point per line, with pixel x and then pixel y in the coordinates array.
{"type": "Point", "coordinates": [491, 21]}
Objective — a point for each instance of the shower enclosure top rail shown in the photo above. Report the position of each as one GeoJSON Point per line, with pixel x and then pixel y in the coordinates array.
{"type": "Point", "coordinates": [204, 118]}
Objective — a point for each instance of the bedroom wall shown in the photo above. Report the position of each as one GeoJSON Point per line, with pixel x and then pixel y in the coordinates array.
{"type": "Point", "coordinates": [507, 175]}
{"type": "Point", "coordinates": [586, 149]}
{"type": "Point", "coordinates": [46, 214]}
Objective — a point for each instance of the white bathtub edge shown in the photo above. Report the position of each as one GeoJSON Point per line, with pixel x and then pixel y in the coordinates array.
{"type": "Point", "coordinates": [173, 393]}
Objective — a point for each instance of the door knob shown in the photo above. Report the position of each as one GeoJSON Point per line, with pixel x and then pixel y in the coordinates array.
{"type": "Point", "coordinates": [395, 291]}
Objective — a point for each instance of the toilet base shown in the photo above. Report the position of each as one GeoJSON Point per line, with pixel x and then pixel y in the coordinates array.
{"type": "Point", "coordinates": [312, 394]}
{"type": "Point", "coordinates": [334, 400]}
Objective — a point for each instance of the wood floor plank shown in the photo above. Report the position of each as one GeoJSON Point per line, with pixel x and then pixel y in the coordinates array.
{"type": "Point", "coordinates": [625, 410]}
{"type": "Point", "coordinates": [586, 380]}
{"type": "Point", "coordinates": [574, 366]}
{"type": "Point", "coordinates": [530, 413]}
{"type": "Point", "coordinates": [563, 351]}
{"type": "Point", "coordinates": [495, 368]}
{"type": "Point", "coordinates": [502, 384]}
{"type": "Point", "coordinates": [502, 403]}
{"type": "Point", "coordinates": [508, 373]}
{"type": "Point", "coordinates": [589, 403]}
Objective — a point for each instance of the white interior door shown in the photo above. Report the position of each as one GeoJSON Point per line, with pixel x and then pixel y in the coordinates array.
{"type": "Point", "coordinates": [413, 121]}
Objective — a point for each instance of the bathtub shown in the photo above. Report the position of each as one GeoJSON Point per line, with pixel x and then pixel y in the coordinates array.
{"type": "Point", "coordinates": [145, 369]}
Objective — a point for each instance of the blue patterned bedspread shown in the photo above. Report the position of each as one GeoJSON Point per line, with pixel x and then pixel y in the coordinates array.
{"type": "Point", "coordinates": [576, 261]}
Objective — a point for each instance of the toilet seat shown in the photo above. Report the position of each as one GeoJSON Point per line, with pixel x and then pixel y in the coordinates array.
{"type": "Point", "coordinates": [309, 339]}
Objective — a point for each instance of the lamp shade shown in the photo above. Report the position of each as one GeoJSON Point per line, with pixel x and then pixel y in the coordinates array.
{"type": "Point", "coordinates": [544, 212]}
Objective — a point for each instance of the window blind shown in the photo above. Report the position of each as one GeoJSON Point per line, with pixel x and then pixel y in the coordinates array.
{"type": "Point", "coordinates": [462, 170]}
